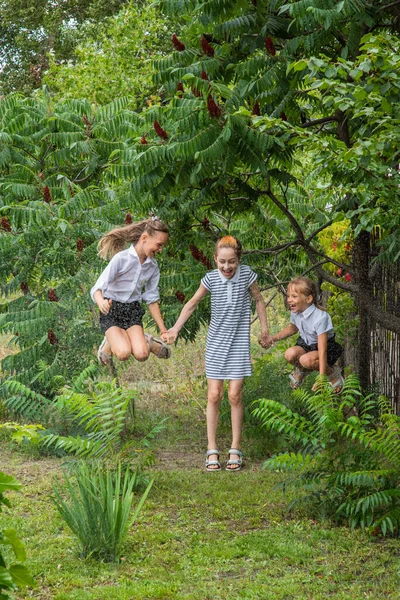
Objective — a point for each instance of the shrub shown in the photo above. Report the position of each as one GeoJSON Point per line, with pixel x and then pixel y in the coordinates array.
{"type": "Point", "coordinates": [344, 454]}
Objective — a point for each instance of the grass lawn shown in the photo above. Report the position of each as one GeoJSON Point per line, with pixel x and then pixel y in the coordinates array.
{"type": "Point", "coordinates": [200, 535]}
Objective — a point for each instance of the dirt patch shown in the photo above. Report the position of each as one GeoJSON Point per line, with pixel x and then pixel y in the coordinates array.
{"type": "Point", "coordinates": [5, 347]}
{"type": "Point", "coordinates": [28, 470]}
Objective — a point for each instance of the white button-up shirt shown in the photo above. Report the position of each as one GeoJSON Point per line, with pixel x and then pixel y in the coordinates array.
{"type": "Point", "coordinates": [125, 277]}
{"type": "Point", "coordinates": [311, 323]}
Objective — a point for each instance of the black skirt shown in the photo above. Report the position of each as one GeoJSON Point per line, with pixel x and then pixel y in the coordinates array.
{"type": "Point", "coordinates": [123, 315]}
{"type": "Point", "coordinates": [333, 351]}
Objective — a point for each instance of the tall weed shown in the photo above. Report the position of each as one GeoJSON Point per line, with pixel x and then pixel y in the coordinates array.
{"type": "Point", "coordinates": [98, 508]}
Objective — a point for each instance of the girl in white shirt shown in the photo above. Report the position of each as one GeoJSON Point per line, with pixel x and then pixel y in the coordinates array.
{"type": "Point", "coordinates": [316, 348]}
{"type": "Point", "coordinates": [131, 276]}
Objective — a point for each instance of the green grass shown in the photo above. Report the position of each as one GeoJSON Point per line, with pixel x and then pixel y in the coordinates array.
{"type": "Point", "coordinates": [206, 536]}
{"type": "Point", "coordinates": [200, 536]}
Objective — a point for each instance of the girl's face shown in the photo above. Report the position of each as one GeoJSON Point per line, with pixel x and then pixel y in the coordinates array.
{"type": "Point", "coordinates": [227, 262]}
{"type": "Point", "coordinates": [297, 300]}
{"type": "Point", "coordinates": [152, 244]}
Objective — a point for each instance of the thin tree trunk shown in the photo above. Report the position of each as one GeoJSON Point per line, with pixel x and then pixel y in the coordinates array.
{"type": "Point", "coordinates": [361, 263]}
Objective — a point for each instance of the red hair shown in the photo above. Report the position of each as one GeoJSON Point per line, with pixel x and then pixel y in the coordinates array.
{"type": "Point", "coordinates": [229, 241]}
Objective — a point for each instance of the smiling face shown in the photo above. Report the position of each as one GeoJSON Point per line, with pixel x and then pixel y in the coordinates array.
{"type": "Point", "coordinates": [297, 300]}
{"type": "Point", "coordinates": [227, 261]}
{"type": "Point", "coordinates": [152, 244]}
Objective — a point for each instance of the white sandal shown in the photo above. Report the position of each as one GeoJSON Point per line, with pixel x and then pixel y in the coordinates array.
{"type": "Point", "coordinates": [102, 356]}
{"type": "Point", "coordinates": [237, 462]}
{"type": "Point", "coordinates": [297, 377]}
{"type": "Point", "coordinates": [163, 352]}
{"type": "Point", "coordinates": [336, 380]}
{"type": "Point", "coordinates": [212, 463]}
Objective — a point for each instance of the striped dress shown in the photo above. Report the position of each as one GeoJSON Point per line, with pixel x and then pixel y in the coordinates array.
{"type": "Point", "coordinates": [228, 339]}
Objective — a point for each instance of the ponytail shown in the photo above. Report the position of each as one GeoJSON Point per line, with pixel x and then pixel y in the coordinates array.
{"type": "Point", "coordinates": [117, 239]}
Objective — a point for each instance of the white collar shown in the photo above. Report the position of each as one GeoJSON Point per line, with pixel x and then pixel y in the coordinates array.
{"type": "Point", "coordinates": [233, 279]}
{"type": "Point", "coordinates": [309, 311]}
{"type": "Point", "coordinates": [132, 250]}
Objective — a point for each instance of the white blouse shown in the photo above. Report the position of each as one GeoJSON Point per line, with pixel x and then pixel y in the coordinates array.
{"type": "Point", "coordinates": [311, 323]}
{"type": "Point", "coordinates": [125, 278]}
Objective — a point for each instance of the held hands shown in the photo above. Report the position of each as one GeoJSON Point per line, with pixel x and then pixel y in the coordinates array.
{"type": "Point", "coordinates": [266, 340]}
{"type": "Point", "coordinates": [169, 336]}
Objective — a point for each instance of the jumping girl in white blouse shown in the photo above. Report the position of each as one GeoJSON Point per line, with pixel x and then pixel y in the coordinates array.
{"type": "Point", "coordinates": [131, 277]}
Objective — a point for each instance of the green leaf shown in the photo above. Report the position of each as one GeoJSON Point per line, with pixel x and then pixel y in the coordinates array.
{"type": "Point", "coordinates": [8, 482]}
{"type": "Point", "coordinates": [21, 576]}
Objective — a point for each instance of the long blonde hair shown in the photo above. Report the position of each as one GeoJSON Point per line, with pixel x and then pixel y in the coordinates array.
{"type": "Point", "coordinates": [116, 240]}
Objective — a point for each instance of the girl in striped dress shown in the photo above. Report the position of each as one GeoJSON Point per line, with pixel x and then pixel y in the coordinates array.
{"type": "Point", "coordinates": [228, 342]}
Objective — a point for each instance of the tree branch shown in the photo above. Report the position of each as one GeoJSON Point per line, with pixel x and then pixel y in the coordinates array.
{"type": "Point", "coordinates": [282, 208]}
{"type": "Point", "coordinates": [317, 231]}
{"type": "Point", "coordinates": [319, 121]}
{"type": "Point", "coordinates": [387, 320]}
{"type": "Point", "coordinates": [390, 5]}
{"type": "Point", "coordinates": [273, 248]}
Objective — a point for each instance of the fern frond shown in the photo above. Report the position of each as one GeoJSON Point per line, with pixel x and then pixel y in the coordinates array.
{"type": "Point", "coordinates": [22, 400]}
{"type": "Point", "coordinates": [276, 417]}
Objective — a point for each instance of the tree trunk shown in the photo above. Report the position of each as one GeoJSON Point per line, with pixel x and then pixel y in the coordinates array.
{"type": "Point", "coordinates": [361, 264]}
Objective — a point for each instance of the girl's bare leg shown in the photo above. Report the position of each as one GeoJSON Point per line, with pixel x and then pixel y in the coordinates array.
{"type": "Point", "coordinates": [235, 395]}
{"type": "Point", "coordinates": [139, 346]}
{"type": "Point", "coordinates": [294, 354]}
{"type": "Point", "coordinates": [118, 343]}
{"type": "Point", "coordinates": [310, 361]}
{"type": "Point", "coordinates": [215, 395]}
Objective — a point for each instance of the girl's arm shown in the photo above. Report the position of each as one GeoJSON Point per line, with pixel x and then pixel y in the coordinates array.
{"type": "Point", "coordinates": [285, 333]}
{"type": "Point", "coordinates": [186, 312]}
{"type": "Point", "coordinates": [103, 304]}
{"type": "Point", "coordinates": [154, 310]}
{"type": "Point", "coordinates": [322, 353]}
{"type": "Point", "coordinates": [265, 339]}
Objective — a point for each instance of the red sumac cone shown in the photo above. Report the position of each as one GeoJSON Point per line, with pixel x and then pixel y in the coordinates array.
{"type": "Point", "coordinates": [213, 109]}
{"type": "Point", "coordinates": [206, 47]}
{"type": "Point", "coordinates": [24, 288]}
{"type": "Point", "coordinates": [46, 194]}
{"type": "Point", "coordinates": [5, 223]}
{"type": "Point", "coordinates": [204, 75]}
{"type": "Point", "coordinates": [180, 88]}
{"type": "Point", "coordinates": [51, 336]}
{"type": "Point", "coordinates": [128, 219]}
{"type": "Point", "coordinates": [269, 46]}
{"type": "Point", "coordinates": [256, 109]}
{"type": "Point", "coordinates": [143, 140]}
{"type": "Point", "coordinates": [52, 295]}
{"type": "Point", "coordinates": [178, 45]}
{"type": "Point", "coordinates": [79, 245]}
{"type": "Point", "coordinates": [180, 296]}
{"type": "Point", "coordinates": [160, 131]}
{"type": "Point", "coordinates": [200, 256]}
